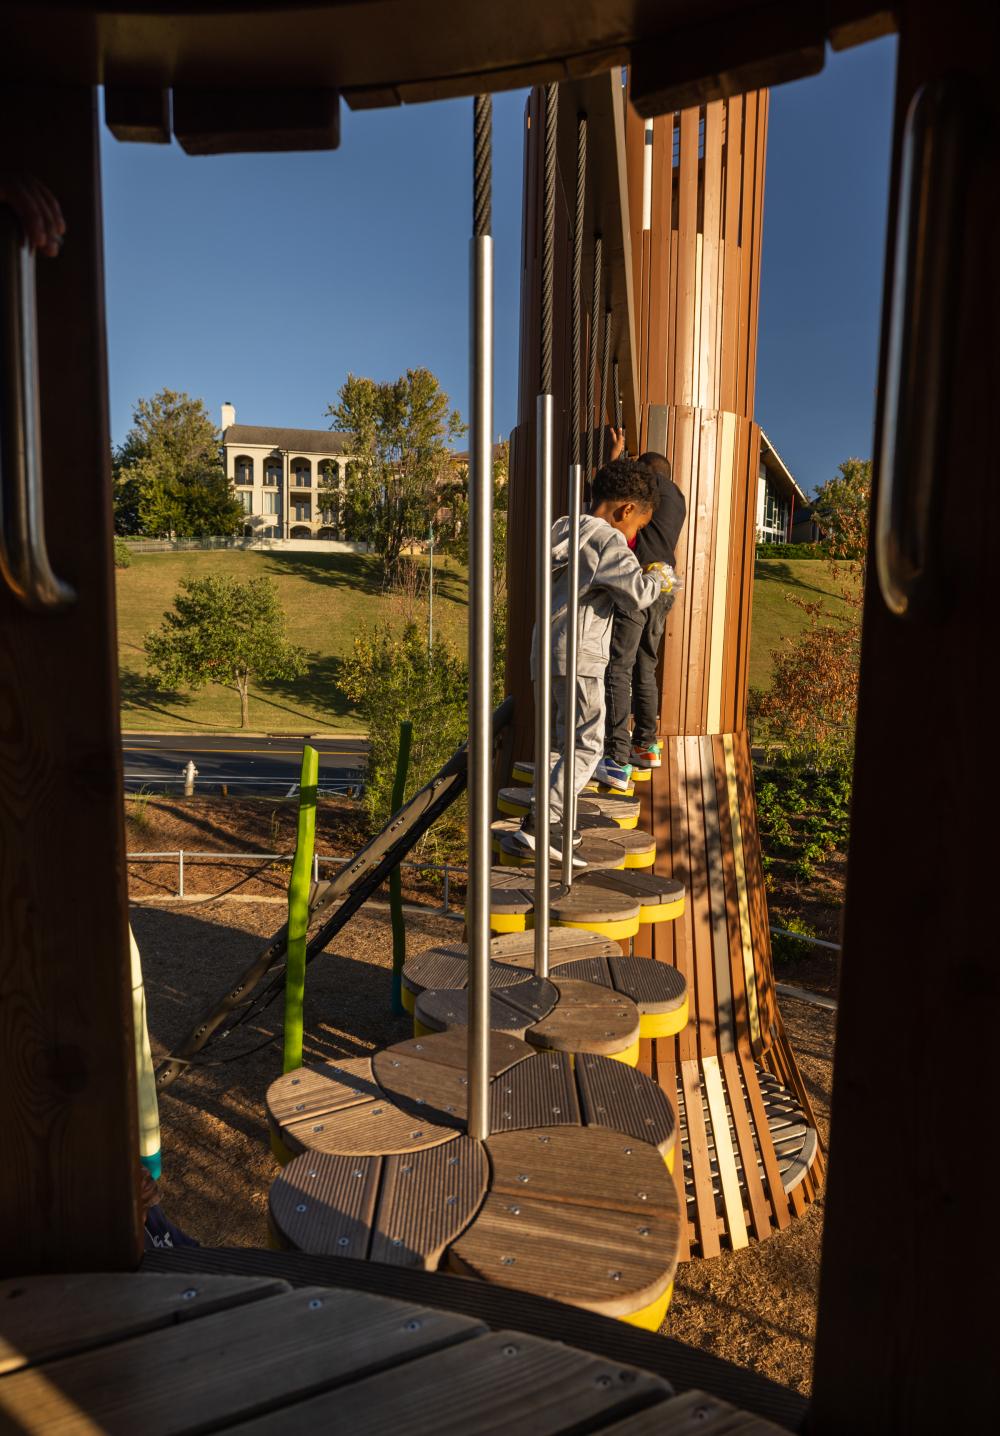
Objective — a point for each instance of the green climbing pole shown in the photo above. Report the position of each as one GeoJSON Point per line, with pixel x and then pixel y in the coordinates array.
{"type": "Point", "coordinates": [395, 882]}
{"type": "Point", "coordinates": [298, 909]}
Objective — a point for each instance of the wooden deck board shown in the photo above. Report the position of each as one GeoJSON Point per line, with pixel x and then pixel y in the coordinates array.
{"type": "Point", "coordinates": [499, 1383]}
{"type": "Point", "coordinates": [49, 1317]}
{"type": "Point", "coordinates": [581, 1166]}
{"type": "Point", "coordinates": [325, 1204]}
{"type": "Point", "coordinates": [616, 1096]}
{"type": "Point", "coordinates": [427, 1199]}
{"type": "Point", "coordinates": [235, 1364]}
{"type": "Point", "coordinates": [539, 1092]}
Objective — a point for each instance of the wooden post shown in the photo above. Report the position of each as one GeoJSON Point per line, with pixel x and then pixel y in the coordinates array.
{"type": "Point", "coordinates": [68, 1114]}
{"type": "Point", "coordinates": [917, 1080]}
{"type": "Point", "coordinates": [298, 909]}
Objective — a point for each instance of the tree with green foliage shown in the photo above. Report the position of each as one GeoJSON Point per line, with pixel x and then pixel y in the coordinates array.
{"type": "Point", "coordinates": [456, 496]}
{"type": "Point", "coordinates": [392, 676]}
{"type": "Point", "coordinates": [221, 630]}
{"type": "Point", "coordinates": [400, 458]}
{"type": "Point", "coordinates": [169, 476]}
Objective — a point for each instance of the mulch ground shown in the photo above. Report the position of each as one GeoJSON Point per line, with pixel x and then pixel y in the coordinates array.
{"type": "Point", "coordinates": [756, 1307]}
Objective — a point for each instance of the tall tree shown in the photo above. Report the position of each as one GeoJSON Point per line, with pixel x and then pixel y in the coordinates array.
{"type": "Point", "coordinates": [400, 456]}
{"type": "Point", "coordinates": [170, 480]}
{"type": "Point", "coordinates": [223, 631]}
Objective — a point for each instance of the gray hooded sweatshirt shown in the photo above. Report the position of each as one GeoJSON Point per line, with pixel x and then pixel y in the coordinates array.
{"type": "Point", "coordinates": [610, 578]}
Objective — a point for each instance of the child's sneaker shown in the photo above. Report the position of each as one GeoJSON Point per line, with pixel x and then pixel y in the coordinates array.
{"type": "Point", "coordinates": [614, 775]}
{"type": "Point", "coordinates": [525, 836]}
{"type": "Point", "coordinates": [645, 756]}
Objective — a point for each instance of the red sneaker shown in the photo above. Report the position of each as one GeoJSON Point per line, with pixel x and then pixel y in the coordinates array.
{"type": "Point", "coordinates": [643, 756]}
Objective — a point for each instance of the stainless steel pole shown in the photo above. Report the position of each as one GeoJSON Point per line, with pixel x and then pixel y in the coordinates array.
{"type": "Point", "coordinates": [572, 637]}
{"type": "Point", "coordinates": [480, 629]}
{"type": "Point", "coordinates": [544, 465]}
{"type": "Point", "coordinates": [545, 429]}
{"type": "Point", "coordinates": [575, 488]}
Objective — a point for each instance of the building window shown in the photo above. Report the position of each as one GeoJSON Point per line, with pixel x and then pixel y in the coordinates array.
{"type": "Point", "coordinates": [302, 474]}
{"type": "Point", "coordinates": [270, 503]}
{"type": "Point", "coordinates": [246, 499]}
{"type": "Point", "coordinates": [272, 471]}
{"type": "Point", "coordinates": [302, 508]}
{"type": "Point", "coordinates": [243, 469]}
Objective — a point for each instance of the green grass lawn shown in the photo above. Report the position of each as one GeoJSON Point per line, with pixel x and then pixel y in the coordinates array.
{"type": "Point", "coordinates": [327, 597]}
{"type": "Point", "coordinates": [775, 618]}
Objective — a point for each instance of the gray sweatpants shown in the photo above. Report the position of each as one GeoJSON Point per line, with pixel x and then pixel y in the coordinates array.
{"type": "Point", "coordinates": [590, 718]}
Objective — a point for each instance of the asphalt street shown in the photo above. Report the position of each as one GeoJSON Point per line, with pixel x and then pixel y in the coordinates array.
{"type": "Point", "coordinates": [249, 766]}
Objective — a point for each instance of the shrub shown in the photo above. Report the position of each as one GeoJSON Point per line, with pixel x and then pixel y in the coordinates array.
{"type": "Point", "coordinates": [392, 676]}
{"type": "Point", "coordinates": [789, 949]}
{"type": "Point", "coordinates": [122, 555]}
{"type": "Point", "coordinates": [791, 550]}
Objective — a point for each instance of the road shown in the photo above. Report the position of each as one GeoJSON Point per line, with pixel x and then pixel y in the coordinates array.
{"type": "Point", "coordinates": [249, 766]}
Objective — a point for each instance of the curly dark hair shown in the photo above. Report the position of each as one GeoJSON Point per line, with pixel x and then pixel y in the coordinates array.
{"type": "Point", "coordinates": [626, 481]}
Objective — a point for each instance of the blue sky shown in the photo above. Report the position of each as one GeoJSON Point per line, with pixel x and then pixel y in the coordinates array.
{"type": "Point", "coordinates": [263, 279]}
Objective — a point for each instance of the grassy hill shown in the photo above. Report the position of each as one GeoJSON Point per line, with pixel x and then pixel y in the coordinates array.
{"type": "Point", "coordinates": [775, 619]}
{"type": "Point", "coordinates": [327, 598]}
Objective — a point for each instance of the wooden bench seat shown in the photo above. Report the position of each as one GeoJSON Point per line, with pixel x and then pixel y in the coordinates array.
{"type": "Point", "coordinates": [97, 1351]}
{"type": "Point", "coordinates": [573, 1182]}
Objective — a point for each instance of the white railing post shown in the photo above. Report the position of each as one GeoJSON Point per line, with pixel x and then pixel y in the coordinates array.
{"type": "Point", "coordinates": [180, 872]}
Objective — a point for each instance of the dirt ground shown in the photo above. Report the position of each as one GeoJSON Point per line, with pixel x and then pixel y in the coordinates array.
{"type": "Point", "coordinates": [755, 1307]}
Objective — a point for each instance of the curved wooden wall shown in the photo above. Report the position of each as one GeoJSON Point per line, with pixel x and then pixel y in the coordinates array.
{"type": "Point", "coordinates": [693, 249]}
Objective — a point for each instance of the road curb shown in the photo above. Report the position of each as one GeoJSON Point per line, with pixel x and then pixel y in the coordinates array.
{"type": "Point", "coordinates": [238, 733]}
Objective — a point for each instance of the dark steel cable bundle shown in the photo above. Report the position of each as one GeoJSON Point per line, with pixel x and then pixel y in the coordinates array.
{"type": "Point", "coordinates": [605, 365]}
{"type": "Point", "coordinates": [595, 319]}
{"type": "Point", "coordinates": [482, 165]}
{"type": "Point", "coordinates": [549, 232]}
{"type": "Point", "coordinates": [576, 341]}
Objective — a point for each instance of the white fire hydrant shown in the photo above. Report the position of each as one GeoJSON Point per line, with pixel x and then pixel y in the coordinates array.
{"type": "Point", "coordinates": [190, 773]}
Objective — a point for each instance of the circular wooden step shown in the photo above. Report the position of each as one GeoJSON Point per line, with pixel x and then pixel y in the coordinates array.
{"type": "Point", "coordinates": [580, 1215]}
{"type": "Point", "coordinates": [515, 802]}
{"type": "Point", "coordinates": [597, 852]}
{"type": "Point", "coordinates": [661, 899]}
{"type": "Point", "coordinates": [597, 909]}
{"type": "Point", "coordinates": [512, 898]}
{"type": "Point", "coordinates": [565, 944]}
{"type": "Point", "coordinates": [638, 847]}
{"type": "Point", "coordinates": [573, 1181]}
{"type": "Point", "coordinates": [658, 990]}
{"type": "Point", "coordinates": [588, 1018]}
{"type": "Point", "coordinates": [523, 773]}
{"type": "Point", "coordinates": [514, 1009]}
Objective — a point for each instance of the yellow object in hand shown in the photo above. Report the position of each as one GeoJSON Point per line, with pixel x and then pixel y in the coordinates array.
{"type": "Point", "coordinates": [668, 579]}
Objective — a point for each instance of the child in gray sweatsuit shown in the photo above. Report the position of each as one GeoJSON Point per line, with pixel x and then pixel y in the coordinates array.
{"type": "Point", "coordinates": [625, 495]}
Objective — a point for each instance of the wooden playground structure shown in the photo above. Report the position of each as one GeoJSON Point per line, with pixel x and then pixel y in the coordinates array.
{"type": "Point", "coordinates": [599, 1085]}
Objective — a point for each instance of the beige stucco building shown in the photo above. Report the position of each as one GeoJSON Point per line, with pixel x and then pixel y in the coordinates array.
{"type": "Point", "coordinates": [279, 475]}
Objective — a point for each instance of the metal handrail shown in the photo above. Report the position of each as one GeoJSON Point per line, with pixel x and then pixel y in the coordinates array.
{"type": "Point", "coordinates": [921, 345]}
{"type": "Point", "coordinates": [24, 559]}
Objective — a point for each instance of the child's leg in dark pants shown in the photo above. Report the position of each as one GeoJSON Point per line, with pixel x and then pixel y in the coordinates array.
{"type": "Point", "coordinates": [625, 637]}
{"type": "Point", "coordinates": [645, 690]}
